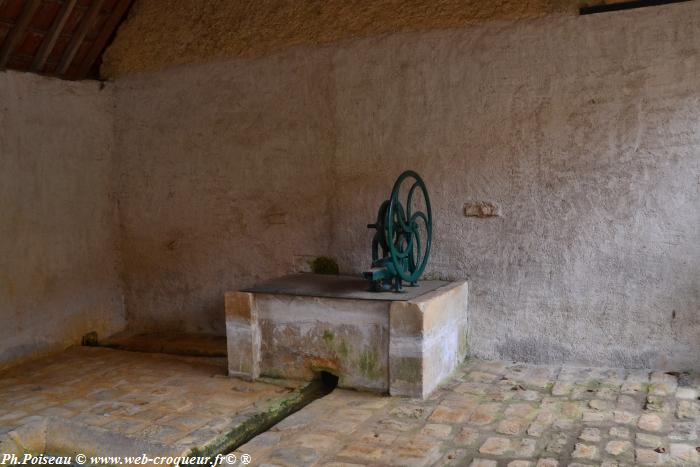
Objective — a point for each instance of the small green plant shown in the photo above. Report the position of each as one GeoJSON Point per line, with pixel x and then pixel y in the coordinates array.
{"type": "Point", "coordinates": [324, 265]}
{"type": "Point", "coordinates": [90, 339]}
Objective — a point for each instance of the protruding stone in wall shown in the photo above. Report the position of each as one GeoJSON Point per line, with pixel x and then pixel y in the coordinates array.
{"type": "Point", "coordinates": [482, 209]}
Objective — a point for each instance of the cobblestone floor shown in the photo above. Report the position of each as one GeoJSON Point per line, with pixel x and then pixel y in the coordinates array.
{"type": "Point", "coordinates": [490, 414]}
{"type": "Point", "coordinates": [497, 414]}
{"type": "Point", "coordinates": [175, 401]}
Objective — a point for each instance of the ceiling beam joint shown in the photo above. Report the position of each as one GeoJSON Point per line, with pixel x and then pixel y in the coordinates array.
{"type": "Point", "coordinates": [52, 35]}
{"type": "Point", "coordinates": [85, 24]}
{"type": "Point", "coordinates": [17, 33]}
{"type": "Point", "coordinates": [100, 42]}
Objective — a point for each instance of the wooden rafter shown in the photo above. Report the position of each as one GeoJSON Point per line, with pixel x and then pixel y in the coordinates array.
{"type": "Point", "coordinates": [52, 35]}
{"type": "Point", "coordinates": [101, 40]}
{"type": "Point", "coordinates": [17, 34]}
{"type": "Point", "coordinates": [85, 25]}
{"type": "Point", "coordinates": [84, 43]}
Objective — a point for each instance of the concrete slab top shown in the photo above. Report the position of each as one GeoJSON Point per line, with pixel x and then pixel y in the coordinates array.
{"type": "Point", "coordinates": [332, 286]}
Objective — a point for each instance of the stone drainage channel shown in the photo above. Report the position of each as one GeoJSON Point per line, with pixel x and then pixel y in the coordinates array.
{"type": "Point", "coordinates": [264, 420]}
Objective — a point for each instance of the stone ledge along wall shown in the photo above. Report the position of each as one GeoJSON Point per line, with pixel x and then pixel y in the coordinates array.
{"type": "Point", "coordinates": [581, 135]}
{"type": "Point", "coordinates": [59, 267]}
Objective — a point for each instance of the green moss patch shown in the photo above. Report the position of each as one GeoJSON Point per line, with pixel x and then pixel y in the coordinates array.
{"type": "Point", "coordinates": [324, 265]}
{"type": "Point", "coordinates": [261, 420]}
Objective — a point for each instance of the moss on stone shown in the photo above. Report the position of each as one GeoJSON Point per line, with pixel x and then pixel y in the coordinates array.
{"type": "Point", "coordinates": [463, 344]}
{"type": "Point", "coordinates": [262, 420]}
{"type": "Point", "coordinates": [368, 365]}
{"type": "Point", "coordinates": [343, 350]}
{"type": "Point", "coordinates": [328, 336]}
{"type": "Point", "coordinates": [324, 265]}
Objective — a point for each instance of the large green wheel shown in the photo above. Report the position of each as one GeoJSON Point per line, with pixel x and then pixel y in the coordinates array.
{"type": "Point", "coordinates": [409, 252]}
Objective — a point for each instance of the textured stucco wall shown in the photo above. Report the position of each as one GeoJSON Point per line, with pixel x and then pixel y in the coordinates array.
{"type": "Point", "coordinates": [161, 33]}
{"type": "Point", "coordinates": [58, 260]}
{"type": "Point", "coordinates": [585, 131]}
{"type": "Point", "coordinates": [224, 180]}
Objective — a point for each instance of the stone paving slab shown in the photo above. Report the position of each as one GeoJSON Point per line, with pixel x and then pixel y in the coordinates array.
{"type": "Point", "coordinates": [500, 414]}
{"type": "Point", "coordinates": [177, 403]}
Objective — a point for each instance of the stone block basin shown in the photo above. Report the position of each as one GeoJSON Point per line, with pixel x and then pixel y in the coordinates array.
{"type": "Point", "coordinates": [298, 326]}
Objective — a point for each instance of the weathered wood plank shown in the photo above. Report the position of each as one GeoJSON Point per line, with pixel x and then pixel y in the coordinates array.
{"type": "Point", "coordinates": [52, 35]}
{"type": "Point", "coordinates": [101, 40]}
{"type": "Point", "coordinates": [85, 25]}
{"type": "Point", "coordinates": [17, 33]}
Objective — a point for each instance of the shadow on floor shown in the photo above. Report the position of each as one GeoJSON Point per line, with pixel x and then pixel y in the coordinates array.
{"type": "Point", "coordinates": [195, 345]}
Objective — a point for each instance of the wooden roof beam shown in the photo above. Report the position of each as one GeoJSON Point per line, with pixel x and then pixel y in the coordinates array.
{"type": "Point", "coordinates": [52, 35]}
{"type": "Point", "coordinates": [17, 33]}
{"type": "Point", "coordinates": [32, 28]}
{"type": "Point", "coordinates": [85, 25]}
{"type": "Point", "coordinates": [99, 43]}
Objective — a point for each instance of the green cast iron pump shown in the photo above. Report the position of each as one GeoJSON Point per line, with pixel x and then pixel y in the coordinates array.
{"type": "Point", "coordinates": [404, 234]}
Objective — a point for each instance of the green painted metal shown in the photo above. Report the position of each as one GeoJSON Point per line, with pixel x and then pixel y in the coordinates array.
{"type": "Point", "coordinates": [404, 252]}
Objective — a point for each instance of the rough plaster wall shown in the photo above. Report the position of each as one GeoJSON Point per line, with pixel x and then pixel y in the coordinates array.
{"type": "Point", "coordinates": [161, 33]}
{"type": "Point", "coordinates": [224, 180]}
{"type": "Point", "coordinates": [58, 262]}
{"type": "Point", "coordinates": [584, 130]}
